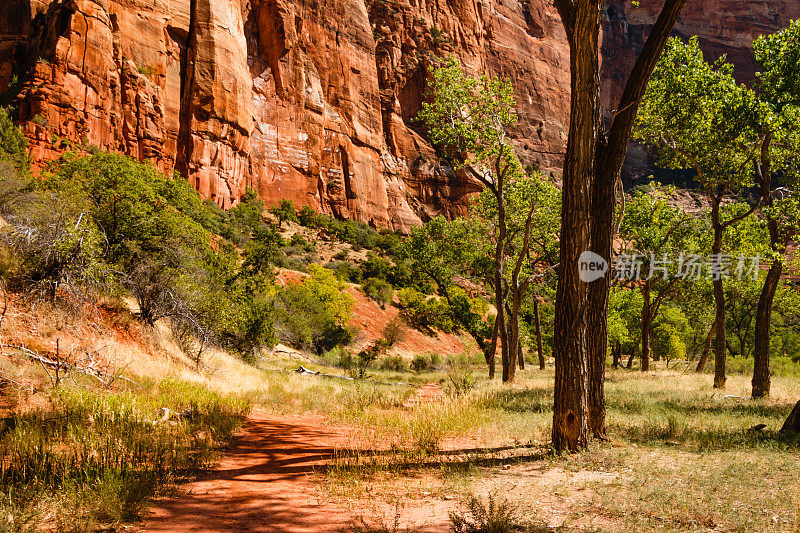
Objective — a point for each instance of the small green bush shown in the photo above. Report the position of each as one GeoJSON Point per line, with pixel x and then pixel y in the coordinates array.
{"type": "Point", "coordinates": [340, 357]}
{"type": "Point", "coordinates": [314, 314]}
{"type": "Point", "coordinates": [497, 515]}
{"type": "Point", "coordinates": [424, 312]}
{"type": "Point", "coordinates": [425, 362]}
{"type": "Point", "coordinates": [346, 271]}
{"type": "Point", "coordinates": [298, 240]}
{"type": "Point", "coordinates": [378, 290]}
{"type": "Point", "coordinates": [284, 211]}
{"type": "Point", "coordinates": [460, 378]}
{"type": "Point", "coordinates": [393, 363]}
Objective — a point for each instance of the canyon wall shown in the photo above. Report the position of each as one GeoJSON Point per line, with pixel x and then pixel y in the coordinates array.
{"type": "Point", "coordinates": [314, 100]}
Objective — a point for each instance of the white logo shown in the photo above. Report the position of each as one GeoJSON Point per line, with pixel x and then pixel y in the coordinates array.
{"type": "Point", "coordinates": [591, 267]}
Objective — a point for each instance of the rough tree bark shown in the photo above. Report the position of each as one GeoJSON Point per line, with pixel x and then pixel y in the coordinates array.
{"type": "Point", "coordinates": [792, 424]}
{"type": "Point", "coordinates": [581, 21]}
{"type": "Point", "coordinates": [610, 156]}
{"type": "Point", "coordinates": [701, 364]}
{"type": "Point", "coordinates": [539, 348]}
{"type": "Point", "coordinates": [616, 353]}
{"type": "Point", "coordinates": [591, 167]}
{"type": "Point", "coordinates": [719, 297]}
{"type": "Point", "coordinates": [761, 379]}
{"type": "Point", "coordinates": [646, 323]}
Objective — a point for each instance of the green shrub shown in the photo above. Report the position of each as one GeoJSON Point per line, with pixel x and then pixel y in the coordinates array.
{"type": "Point", "coordinates": [13, 145]}
{"type": "Point", "coordinates": [458, 371]}
{"type": "Point", "coordinates": [298, 240]}
{"type": "Point", "coordinates": [340, 357]}
{"type": "Point", "coordinates": [393, 363]}
{"type": "Point", "coordinates": [378, 290]}
{"type": "Point", "coordinates": [346, 271]}
{"type": "Point", "coordinates": [497, 515]}
{"type": "Point", "coordinates": [315, 313]}
{"type": "Point", "coordinates": [425, 362]}
{"type": "Point", "coordinates": [425, 313]}
{"type": "Point", "coordinates": [284, 211]}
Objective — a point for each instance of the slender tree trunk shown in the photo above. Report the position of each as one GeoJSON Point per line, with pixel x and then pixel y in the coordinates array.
{"type": "Point", "coordinates": [701, 364]}
{"type": "Point", "coordinates": [647, 320]}
{"type": "Point", "coordinates": [615, 355]}
{"type": "Point", "coordinates": [490, 351]}
{"type": "Point", "coordinates": [538, 333]}
{"type": "Point", "coordinates": [792, 424]}
{"type": "Point", "coordinates": [761, 379]}
{"type": "Point", "coordinates": [720, 353]}
{"type": "Point", "coordinates": [629, 365]}
{"type": "Point", "coordinates": [513, 343]}
{"type": "Point", "coordinates": [571, 392]}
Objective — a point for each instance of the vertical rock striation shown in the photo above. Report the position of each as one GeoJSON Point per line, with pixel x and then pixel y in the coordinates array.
{"type": "Point", "coordinates": [313, 100]}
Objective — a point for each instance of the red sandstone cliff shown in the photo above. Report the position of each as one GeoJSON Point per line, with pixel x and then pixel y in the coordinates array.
{"type": "Point", "coordinates": [308, 99]}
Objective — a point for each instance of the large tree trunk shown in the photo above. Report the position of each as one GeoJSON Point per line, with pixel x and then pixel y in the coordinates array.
{"type": "Point", "coordinates": [761, 380]}
{"type": "Point", "coordinates": [602, 234]}
{"type": "Point", "coordinates": [589, 155]}
{"type": "Point", "coordinates": [647, 320]}
{"type": "Point", "coordinates": [570, 412]}
{"type": "Point", "coordinates": [701, 364]}
{"type": "Point", "coordinates": [792, 424]}
{"type": "Point", "coordinates": [610, 156]}
{"type": "Point", "coordinates": [538, 333]}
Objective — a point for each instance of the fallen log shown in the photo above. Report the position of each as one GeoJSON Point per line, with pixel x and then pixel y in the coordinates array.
{"type": "Point", "coordinates": [306, 371]}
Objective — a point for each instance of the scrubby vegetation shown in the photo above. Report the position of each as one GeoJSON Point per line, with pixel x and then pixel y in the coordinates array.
{"type": "Point", "coordinates": [92, 459]}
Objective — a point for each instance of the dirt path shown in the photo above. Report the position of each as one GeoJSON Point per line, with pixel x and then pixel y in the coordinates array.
{"type": "Point", "coordinates": [262, 483]}
{"type": "Point", "coordinates": [427, 393]}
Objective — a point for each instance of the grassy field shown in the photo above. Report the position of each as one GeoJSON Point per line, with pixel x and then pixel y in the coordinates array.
{"type": "Point", "coordinates": [89, 459]}
{"type": "Point", "coordinates": [682, 456]}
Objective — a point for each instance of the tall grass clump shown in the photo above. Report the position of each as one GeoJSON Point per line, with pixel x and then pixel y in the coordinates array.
{"type": "Point", "coordinates": [497, 515]}
{"type": "Point", "coordinates": [93, 457]}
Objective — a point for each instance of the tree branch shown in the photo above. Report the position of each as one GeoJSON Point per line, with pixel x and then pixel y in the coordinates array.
{"type": "Point", "coordinates": [624, 119]}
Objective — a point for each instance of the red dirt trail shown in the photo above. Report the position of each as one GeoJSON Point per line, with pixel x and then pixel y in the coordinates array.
{"type": "Point", "coordinates": [262, 482]}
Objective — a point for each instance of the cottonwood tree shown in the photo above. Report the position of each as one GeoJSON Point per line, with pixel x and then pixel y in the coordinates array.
{"type": "Point", "coordinates": [532, 207]}
{"type": "Point", "coordinates": [656, 234]}
{"type": "Point", "coordinates": [437, 250]}
{"type": "Point", "coordinates": [467, 120]}
{"type": "Point", "coordinates": [779, 91]}
{"type": "Point", "coordinates": [701, 119]}
{"type": "Point", "coordinates": [592, 165]}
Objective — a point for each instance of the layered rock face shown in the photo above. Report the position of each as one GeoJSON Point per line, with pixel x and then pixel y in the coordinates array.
{"type": "Point", "coordinates": [312, 100]}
